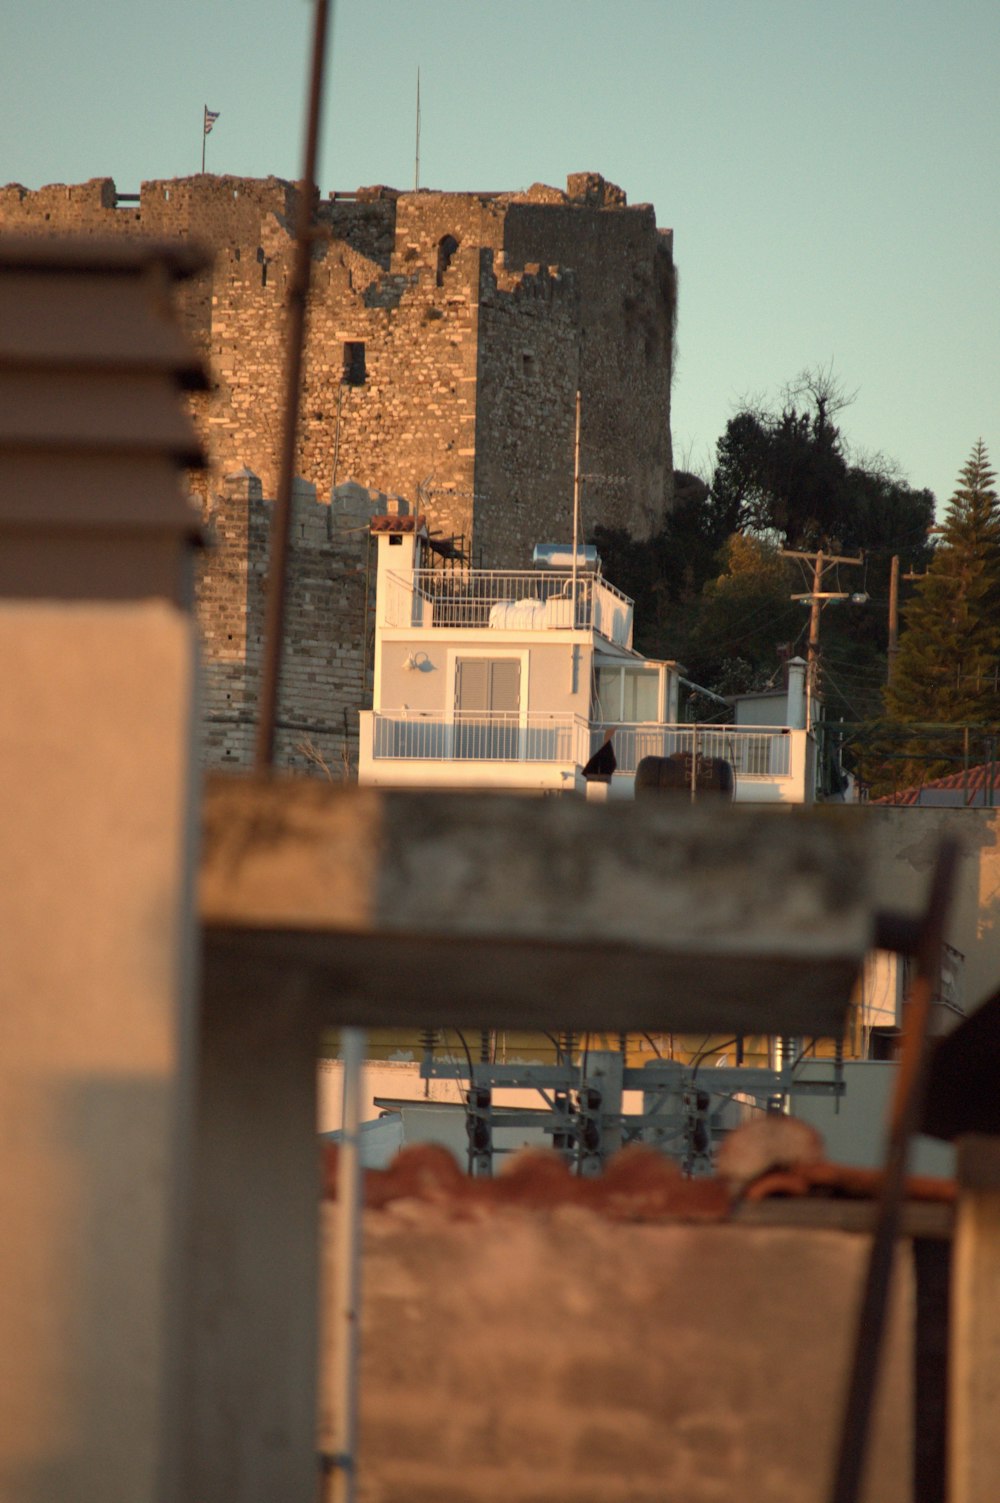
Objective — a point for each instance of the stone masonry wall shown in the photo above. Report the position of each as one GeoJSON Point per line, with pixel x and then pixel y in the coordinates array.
{"type": "Point", "coordinates": [404, 275]}
{"type": "Point", "coordinates": [529, 369]}
{"type": "Point", "coordinates": [470, 320]}
{"type": "Point", "coordinates": [625, 274]}
{"type": "Point", "coordinates": [329, 617]}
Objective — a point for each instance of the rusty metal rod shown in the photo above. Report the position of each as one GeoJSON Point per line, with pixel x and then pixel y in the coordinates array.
{"type": "Point", "coordinates": [274, 618]}
{"type": "Point", "coordinates": [906, 1104]}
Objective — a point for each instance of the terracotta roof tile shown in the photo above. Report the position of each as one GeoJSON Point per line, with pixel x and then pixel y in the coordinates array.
{"type": "Point", "coordinates": [638, 1184]}
{"type": "Point", "coordinates": [972, 781]}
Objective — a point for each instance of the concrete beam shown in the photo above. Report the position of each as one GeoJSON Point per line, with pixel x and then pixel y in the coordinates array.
{"type": "Point", "coordinates": [328, 905]}
{"type": "Point", "coordinates": [511, 912]}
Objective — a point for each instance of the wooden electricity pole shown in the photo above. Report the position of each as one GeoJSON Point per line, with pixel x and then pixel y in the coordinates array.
{"type": "Point", "coordinates": [893, 617]}
{"type": "Point", "coordinates": [817, 598]}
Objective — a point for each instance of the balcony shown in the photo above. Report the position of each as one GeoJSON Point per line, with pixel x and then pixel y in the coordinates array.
{"type": "Point", "coordinates": [498, 600]}
{"type": "Point", "coordinates": [753, 753]}
{"type": "Point", "coordinates": [479, 737]}
{"type": "Point", "coordinates": [536, 750]}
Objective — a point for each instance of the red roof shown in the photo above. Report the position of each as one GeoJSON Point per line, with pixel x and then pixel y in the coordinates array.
{"type": "Point", "coordinates": [974, 782]}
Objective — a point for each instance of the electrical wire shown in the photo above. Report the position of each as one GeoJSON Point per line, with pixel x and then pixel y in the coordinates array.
{"type": "Point", "coordinates": [468, 1054]}
{"type": "Point", "coordinates": [742, 622]}
{"type": "Point", "coordinates": [797, 1061]}
{"type": "Point", "coordinates": [714, 1050]}
{"type": "Point", "coordinates": [554, 1042]}
{"type": "Point", "coordinates": [848, 702]}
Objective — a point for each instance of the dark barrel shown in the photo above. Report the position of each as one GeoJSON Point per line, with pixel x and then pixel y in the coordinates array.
{"type": "Point", "coordinates": [713, 775]}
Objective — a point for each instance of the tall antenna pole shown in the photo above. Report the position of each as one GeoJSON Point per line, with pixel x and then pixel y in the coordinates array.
{"type": "Point", "coordinates": [416, 169]}
{"type": "Point", "coordinates": [298, 293]}
{"type": "Point", "coordinates": [576, 499]}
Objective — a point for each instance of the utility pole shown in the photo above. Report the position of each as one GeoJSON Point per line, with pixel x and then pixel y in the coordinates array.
{"type": "Point", "coordinates": [812, 655]}
{"type": "Point", "coordinates": [893, 617]}
{"type": "Point", "coordinates": [817, 598]}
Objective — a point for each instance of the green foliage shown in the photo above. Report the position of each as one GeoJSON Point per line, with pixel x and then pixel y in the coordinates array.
{"type": "Point", "coordinates": [781, 473]}
{"type": "Point", "coordinates": [742, 616]}
{"type": "Point", "coordinates": [665, 574]}
{"type": "Point", "coordinates": [722, 607]}
{"type": "Point", "coordinates": [948, 668]}
{"type": "Point", "coordinates": [786, 473]}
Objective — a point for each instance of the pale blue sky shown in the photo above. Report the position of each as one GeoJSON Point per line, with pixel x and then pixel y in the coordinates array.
{"type": "Point", "coordinates": [831, 171]}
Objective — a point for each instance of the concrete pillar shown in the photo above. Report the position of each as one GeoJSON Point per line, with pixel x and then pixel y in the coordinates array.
{"type": "Point", "coordinates": [98, 831]}
{"type": "Point", "coordinates": [97, 839]}
{"type": "Point", "coordinates": [247, 1432]}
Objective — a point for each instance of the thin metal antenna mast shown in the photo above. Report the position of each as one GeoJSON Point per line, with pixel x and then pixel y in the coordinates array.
{"type": "Point", "coordinates": [416, 168]}
{"type": "Point", "coordinates": [576, 499]}
{"type": "Point", "coordinates": [281, 518]}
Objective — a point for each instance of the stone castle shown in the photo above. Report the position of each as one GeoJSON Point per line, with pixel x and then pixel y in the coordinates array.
{"type": "Point", "coordinates": [448, 334]}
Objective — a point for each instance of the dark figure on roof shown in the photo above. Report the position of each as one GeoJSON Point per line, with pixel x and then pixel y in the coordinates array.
{"type": "Point", "coordinates": [603, 763]}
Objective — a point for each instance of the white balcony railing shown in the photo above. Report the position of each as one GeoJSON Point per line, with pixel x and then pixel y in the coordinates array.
{"type": "Point", "coordinates": [754, 753]}
{"type": "Point", "coordinates": [470, 737]}
{"type": "Point", "coordinates": [535, 600]}
{"type": "Point", "coordinates": [564, 737]}
{"type": "Point", "coordinates": [423, 748]}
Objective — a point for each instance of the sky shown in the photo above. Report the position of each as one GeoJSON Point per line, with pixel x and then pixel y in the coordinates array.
{"type": "Point", "coordinates": [831, 171]}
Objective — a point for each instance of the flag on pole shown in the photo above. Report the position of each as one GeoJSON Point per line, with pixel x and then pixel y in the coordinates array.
{"type": "Point", "coordinates": [210, 118]}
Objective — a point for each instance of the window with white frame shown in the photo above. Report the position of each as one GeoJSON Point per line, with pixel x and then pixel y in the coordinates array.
{"type": "Point", "coordinates": [628, 694]}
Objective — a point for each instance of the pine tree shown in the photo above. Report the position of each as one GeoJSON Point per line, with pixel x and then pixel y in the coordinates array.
{"type": "Point", "coordinates": [948, 665]}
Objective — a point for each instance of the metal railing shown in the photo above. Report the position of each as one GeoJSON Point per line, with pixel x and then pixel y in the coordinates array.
{"type": "Point", "coordinates": [527, 600]}
{"type": "Point", "coordinates": [756, 753]}
{"type": "Point", "coordinates": [507, 736]}
{"type": "Point", "coordinates": [470, 737]}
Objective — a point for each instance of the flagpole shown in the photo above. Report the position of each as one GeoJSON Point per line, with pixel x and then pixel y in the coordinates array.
{"type": "Point", "coordinates": [204, 138]}
{"type": "Point", "coordinates": [416, 170]}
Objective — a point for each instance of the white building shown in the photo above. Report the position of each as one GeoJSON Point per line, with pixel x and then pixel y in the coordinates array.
{"type": "Point", "coordinates": [512, 680]}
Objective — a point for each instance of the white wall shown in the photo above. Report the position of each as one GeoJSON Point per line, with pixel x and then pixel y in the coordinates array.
{"type": "Point", "coordinates": [558, 676]}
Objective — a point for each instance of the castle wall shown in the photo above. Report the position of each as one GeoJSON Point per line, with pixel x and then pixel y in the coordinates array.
{"type": "Point", "coordinates": [476, 316]}
{"type": "Point", "coordinates": [329, 616]}
{"type": "Point", "coordinates": [528, 372]}
{"type": "Point", "coordinates": [442, 405]}
{"type": "Point", "coordinates": [625, 274]}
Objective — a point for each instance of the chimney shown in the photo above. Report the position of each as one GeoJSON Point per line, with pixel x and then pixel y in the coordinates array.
{"type": "Point", "coordinates": [795, 712]}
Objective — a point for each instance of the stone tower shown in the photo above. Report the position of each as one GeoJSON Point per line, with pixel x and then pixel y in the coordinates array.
{"type": "Point", "coordinates": [448, 334]}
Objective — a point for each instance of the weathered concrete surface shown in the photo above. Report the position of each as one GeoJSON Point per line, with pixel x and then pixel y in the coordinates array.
{"type": "Point", "coordinates": [509, 912]}
{"type": "Point", "coordinates": [905, 843]}
{"type": "Point", "coordinates": [521, 1357]}
{"type": "Point", "coordinates": [96, 840]}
